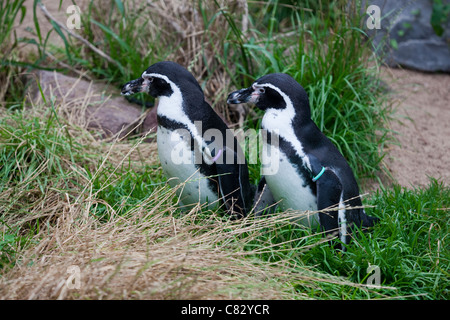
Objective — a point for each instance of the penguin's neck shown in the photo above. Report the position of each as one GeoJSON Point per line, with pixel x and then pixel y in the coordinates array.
{"type": "Point", "coordinates": [281, 123]}
{"type": "Point", "coordinates": [172, 107]}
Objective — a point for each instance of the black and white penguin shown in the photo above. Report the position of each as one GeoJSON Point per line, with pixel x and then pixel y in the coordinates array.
{"type": "Point", "coordinates": [302, 168]}
{"type": "Point", "coordinates": [195, 146]}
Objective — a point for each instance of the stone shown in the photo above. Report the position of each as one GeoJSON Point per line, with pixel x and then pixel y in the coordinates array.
{"type": "Point", "coordinates": [150, 123]}
{"type": "Point", "coordinates": [423, 55]}
{"type": "Point", "coordinates": [88, 104]}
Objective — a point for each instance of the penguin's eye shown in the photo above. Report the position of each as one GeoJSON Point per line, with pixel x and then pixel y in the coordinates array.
{"type": "Point", "coordinates": [260, 90]}
{"type": "Point", "coordinates": [148, 79]}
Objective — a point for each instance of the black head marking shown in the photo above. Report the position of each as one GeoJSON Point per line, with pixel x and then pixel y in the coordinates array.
{"type": "Point", "coordinates": [158, 87]}
{"type": "Point", "coordinates": [268, 98]}
{"type": "Point", "coordinates": [274, 91]}
{"type": "Point", "coordinates": [157, 79]}
{"type": "Point", "coordinates": [277, 84]}
{"type": "Point", "coordinates": [162, 71]}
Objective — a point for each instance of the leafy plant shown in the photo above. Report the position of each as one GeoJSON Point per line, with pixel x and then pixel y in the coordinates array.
{"type": "Point", "coordinates": [408, 246]}
{"type": "Point", "coordinates": [11, 87]}
{"type": "Point", "coordinates": [440, 15]}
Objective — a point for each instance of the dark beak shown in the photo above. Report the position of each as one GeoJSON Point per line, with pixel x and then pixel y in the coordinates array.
{"type": "Point", "coordinates": [132, 87]}
{"type": "Point", "coordinates": [240, 96]}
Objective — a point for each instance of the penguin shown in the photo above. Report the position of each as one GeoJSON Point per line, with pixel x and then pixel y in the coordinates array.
{"type": "Point", "coordinates": [195, 146]}
{"type": "Point", "coordinates": [304, 170]}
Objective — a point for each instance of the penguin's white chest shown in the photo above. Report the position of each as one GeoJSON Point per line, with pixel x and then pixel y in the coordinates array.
{"type": "Point", "coordinates": [179, 165]}
{"type": "Point", "coordinates": [287, 185]}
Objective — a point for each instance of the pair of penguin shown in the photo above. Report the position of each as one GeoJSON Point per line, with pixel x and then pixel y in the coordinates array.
{"type": "Point", "coordinates": [195, 148]}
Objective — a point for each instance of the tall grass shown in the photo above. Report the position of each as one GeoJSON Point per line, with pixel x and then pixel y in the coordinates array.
{"type": "Point", "coordinates": [319, 44]}
{"type": "Point", "coordinates": [11, 85]}
{"type": "Point", "coordinates": [408, 246]}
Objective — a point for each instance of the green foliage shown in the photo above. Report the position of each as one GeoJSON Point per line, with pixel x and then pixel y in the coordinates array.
{"type": "Point", "coordinates": [408, 246]}
{"type": "Point", "coordinates": [34, 156]}
{"type": "Point", "coordinates": [7, 249]}
{"type": "Point", "coordinates": [440, 15]}
{"type": "Point", "coordinates": [121, 190]}
{"type": "Point", "coordinates": [9, 10]}
{"type": "Point", "coordinates": [11, 87]}
{"type": "Point", "coordinates": [33, 150]}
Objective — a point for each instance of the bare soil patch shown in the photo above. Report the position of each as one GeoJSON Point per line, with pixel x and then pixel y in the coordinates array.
{"type": "Point", "coordinates": [421, 126]}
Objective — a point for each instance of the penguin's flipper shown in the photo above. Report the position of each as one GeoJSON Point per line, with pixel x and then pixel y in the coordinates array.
{"type": "Point", "coordinates": [234, 184]}
{"type": "Point", "coordinates": [263, 202]}
{"type": "Point", "coordinates": [328, 195]}
{"type": "Point", "coordinates": [329, 190]}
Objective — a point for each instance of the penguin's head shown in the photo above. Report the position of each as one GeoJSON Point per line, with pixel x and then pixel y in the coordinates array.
{"type": "Point", "coordinates": [276, 91]}
{"type": "Point", "coordinates": [161, 79]}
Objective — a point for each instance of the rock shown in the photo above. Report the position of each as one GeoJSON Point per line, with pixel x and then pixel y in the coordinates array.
{"type": "Point", "coordinates": [423, 55]}
{"type": "Point", "coordinates": [89, 104]}
{"type": "Point", "coordinates": [150, 123]}
{"type": "Point", "coordinates": [406, 36]}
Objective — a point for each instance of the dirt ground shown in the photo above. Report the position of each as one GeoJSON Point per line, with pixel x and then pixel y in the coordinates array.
{"type": "Point", "coordinates": [422, 126]}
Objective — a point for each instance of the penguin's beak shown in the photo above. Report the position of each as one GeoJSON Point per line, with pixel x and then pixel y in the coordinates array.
{"type": "Point", "coordinates": [134, 86]}
{"type": "Point", "coordinates": [241, 96]}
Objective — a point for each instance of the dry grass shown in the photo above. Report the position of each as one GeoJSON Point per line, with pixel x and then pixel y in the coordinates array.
{"type": "Point", "coordinates": [136, 257]}
{"type": "Point", "coordinates": [149, 254]}
{"type": "Point", "coordinates": [150, 251]}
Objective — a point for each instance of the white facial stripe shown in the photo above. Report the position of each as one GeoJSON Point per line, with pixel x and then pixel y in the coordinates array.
{"type": "Point", "coordinates": [146, 75]}
{"type": "Point", "coordinates": [172, 108]}
{"type": "Point", "coordinates": [269, 85]}
{"type": "Point", "coordinates": [281, 120]}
